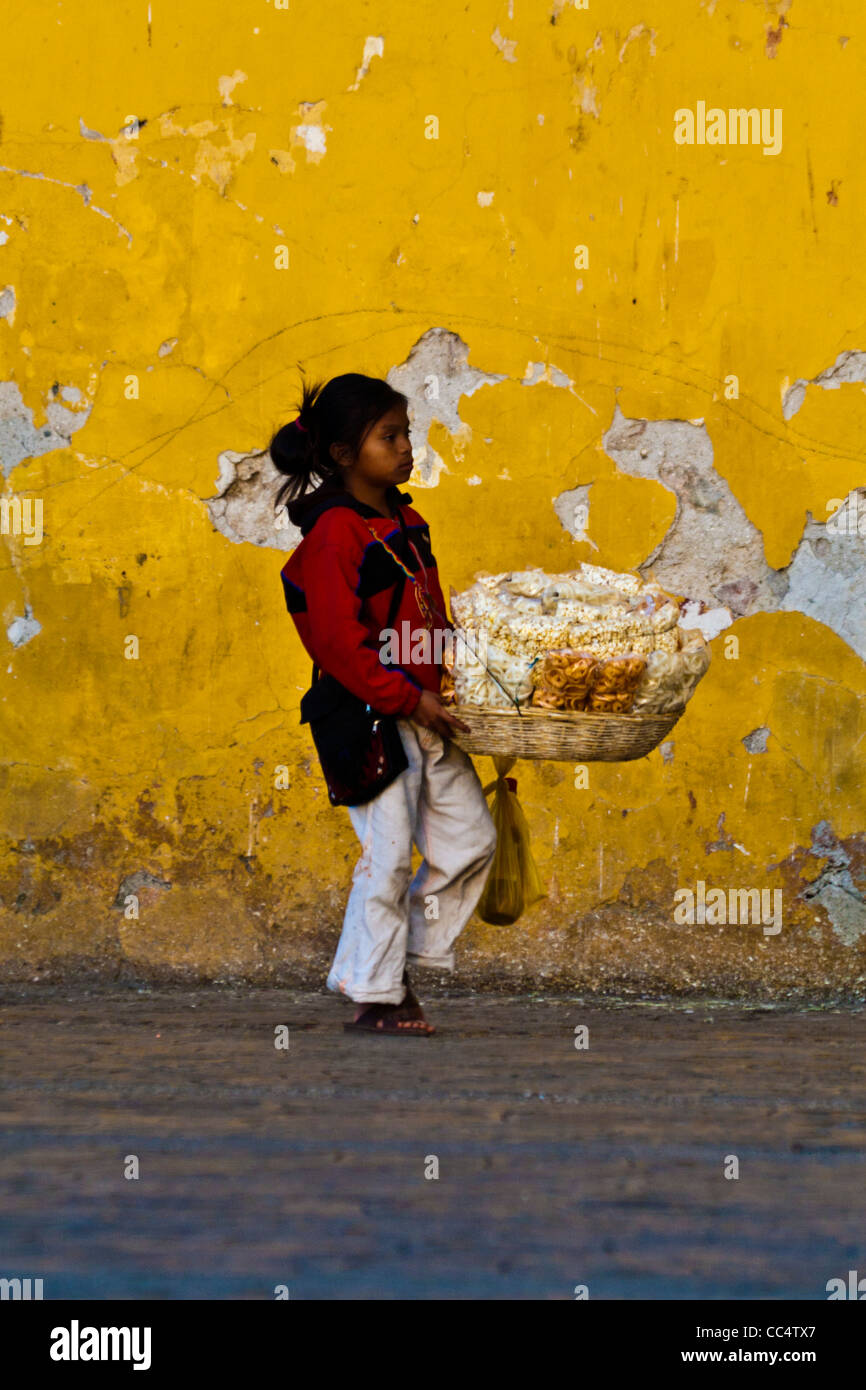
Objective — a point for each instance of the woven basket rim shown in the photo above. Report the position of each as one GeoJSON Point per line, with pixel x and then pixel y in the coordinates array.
{"type": "Point", "coordinates": [565, 716]}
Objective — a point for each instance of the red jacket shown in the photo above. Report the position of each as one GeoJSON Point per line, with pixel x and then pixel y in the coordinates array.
{"type": "Point", "coordinates": [338, 585]}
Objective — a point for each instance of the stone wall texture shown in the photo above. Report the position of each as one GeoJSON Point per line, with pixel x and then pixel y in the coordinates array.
{"type": "Point", "coordinates": [632, 326]}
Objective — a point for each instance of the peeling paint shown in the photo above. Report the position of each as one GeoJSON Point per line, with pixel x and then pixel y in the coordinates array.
{"type": "Point", "coordinates": [713, 549]}
{"type": "Point", "coordinates": [22, 630]}
{"type": "Point", "coordinates": [227, 85]}
{"type": "Point", "coordinates": [21, 438]}
{"type": "Point", "coordinates": [374, 47]}
{"type": "Point", "coordinates": [507, 47]}
{"type": "Point", "coordinates": [133, 884]}
{"type": "Point", "coordinates": [243, 510]}
{"type": "Point", "coordinates": [849, 367]}
{"type": "Point", "coordinates": [435, 376]}
{"type": "Point", "coordinates": [835, 889]}
{"type": "Point", "coordinates": [756, 741]}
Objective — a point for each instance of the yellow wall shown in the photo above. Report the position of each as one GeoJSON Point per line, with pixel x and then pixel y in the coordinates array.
{"type": "Point", "coordinates": [150, 329]}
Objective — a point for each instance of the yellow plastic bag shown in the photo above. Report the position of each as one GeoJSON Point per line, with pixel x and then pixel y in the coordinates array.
{"type": "Point", "coordinates": [513, 883]}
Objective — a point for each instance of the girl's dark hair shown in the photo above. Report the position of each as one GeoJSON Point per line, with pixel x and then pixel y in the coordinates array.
{"type": "Point", "coordinates": [341, 412]}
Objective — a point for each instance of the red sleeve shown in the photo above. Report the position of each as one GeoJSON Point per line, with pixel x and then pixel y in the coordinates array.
{"type": "Point", "coordinates": [341, 644]}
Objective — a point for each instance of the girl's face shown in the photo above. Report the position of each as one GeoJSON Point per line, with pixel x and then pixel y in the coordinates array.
{"type": "Point", "coordinates": [385, 457]}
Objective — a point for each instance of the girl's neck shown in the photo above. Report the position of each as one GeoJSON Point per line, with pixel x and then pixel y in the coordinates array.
{"type": "Point", "coordinates": [375, 497]}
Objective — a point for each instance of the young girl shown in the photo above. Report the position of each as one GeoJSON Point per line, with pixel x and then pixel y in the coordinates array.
{"type": "Point", "coordinates": [352, 435]}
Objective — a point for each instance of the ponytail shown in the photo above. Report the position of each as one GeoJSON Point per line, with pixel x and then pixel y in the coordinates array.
{"type": "Point", "coordinates": [341, 412]}
{"type": "Point", "coordinates": [293, 450]}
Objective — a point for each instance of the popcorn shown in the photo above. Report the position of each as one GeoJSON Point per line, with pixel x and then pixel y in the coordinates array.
{"type": "Point", "coordinates": [478, 684]}
{"type": "Point", "coordinates": [538, 625]}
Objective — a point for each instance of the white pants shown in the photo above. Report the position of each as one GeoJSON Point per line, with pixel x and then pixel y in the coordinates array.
{"type": "Point", "coordinates": [437, 802]}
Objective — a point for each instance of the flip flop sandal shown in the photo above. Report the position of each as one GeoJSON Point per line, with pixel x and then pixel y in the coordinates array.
{"type": "Point", "coordinates": [383, 1018]}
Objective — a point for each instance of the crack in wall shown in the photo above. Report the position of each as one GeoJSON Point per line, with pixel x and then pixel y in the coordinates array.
{"type": "Point", "coordinates": [80, 188]}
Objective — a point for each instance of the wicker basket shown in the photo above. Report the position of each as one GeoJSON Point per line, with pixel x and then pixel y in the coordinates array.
{"type": "Point", "coordinates": [561, 737]}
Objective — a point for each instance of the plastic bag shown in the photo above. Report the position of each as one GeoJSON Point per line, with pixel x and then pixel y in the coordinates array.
{"type": "Point", "coordinates": [513, 883]}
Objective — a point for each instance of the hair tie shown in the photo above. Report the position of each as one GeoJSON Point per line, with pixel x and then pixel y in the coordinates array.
{"type": "Point", "coordinates": [297, 422]}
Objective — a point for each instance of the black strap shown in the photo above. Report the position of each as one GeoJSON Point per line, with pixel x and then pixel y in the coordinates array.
{"type": "Point", "coordinates": [397, 595]}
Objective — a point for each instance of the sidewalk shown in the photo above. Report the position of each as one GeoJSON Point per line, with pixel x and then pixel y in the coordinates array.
{"type": "Point", "coordinates": [306, 1167]}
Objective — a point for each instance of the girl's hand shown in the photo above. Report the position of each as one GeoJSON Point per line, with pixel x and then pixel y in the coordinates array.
{"type": "Point", "coordinates": [430, 713]}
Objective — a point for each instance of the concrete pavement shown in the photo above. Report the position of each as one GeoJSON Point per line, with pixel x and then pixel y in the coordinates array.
{"type": "Point", "coordinates": [305, 1166]}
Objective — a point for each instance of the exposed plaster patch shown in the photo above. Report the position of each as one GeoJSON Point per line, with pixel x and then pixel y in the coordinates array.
{"type": "Point", "coordinates": [227, 85]}
{"type": "Point", "coordinates": [243, 510]}
{"type": "Point", "coordinates": [19, 437]}
{"type": "Point", "coordinates": [22, 630]}
{"type": "Point", "coordinates": [80, 188]}
{"type": "Point", "coordinates": [572, 508]}
{"type": "Point", "coordinates": [227, 462]}
{"type": "Point", "coordinates": [133, 884]}
{"type": "Point", "coordinates": [311, 133]}
{"type": "Point", "coordinates": [848, 367]}
{"type": "Point", "coordinates": [712, 549]}
{"type": "Point", "coordinates": [7, 303]}
{"type": "Point", "coordinates": [636, 32]}
{"type": "Point", "coordinates": [827, 579]}
{"type": "Point", "coordinates": [218, 162]}
{"type": "Point", "coordinates": [589, 99]}
{"type": "Point", "coordinates": [167, 347]}
{"type": "Point", "coordinates": [485, 199]}
{"type": "Point", "coordinates": [711, 546]}
{"type": "Point", "coordinates": [545, 371]}
{"type": "Point", "coordinates": [667, 752]}
{"type": "Point", "coordinates": [756, 741]}
{"type": "Point", "coordinates": [506, 46]}
{"type": "Point", "coordinates": [87, 134]}
{"type": "Point", "coordinates": [434, 377]}
{"type": "Point", "coordinates": [834, 888]}
{"type": "Point", "coordinates": [374, 47]}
